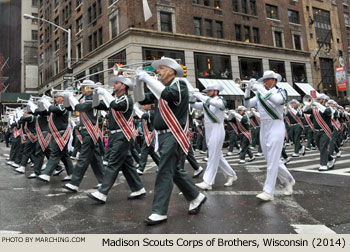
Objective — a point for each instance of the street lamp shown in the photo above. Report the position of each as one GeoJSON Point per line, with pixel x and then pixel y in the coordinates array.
{"type": "Point", "coordinates": [69, 58]}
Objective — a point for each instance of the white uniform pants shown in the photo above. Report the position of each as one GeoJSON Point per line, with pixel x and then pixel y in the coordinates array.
{"type": "Point", "coordinates": [215, 136]}
{"type": "Point", "coordinates": [272, 134]}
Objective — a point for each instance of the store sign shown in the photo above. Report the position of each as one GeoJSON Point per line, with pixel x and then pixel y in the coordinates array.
{"type": "Point", "coordinates": [341, 78]}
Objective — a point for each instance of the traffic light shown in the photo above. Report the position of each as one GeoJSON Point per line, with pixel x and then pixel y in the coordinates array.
{"type": "Point", "coordinates": [185, 70]}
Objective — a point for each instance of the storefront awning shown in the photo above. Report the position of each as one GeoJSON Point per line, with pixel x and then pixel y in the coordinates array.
{"type": "Point", "coordinates": [292, 93]}
{"type": "Point", "coordinates": [231, 89]}
{"type": "Point", "coordinates": [305, 88]}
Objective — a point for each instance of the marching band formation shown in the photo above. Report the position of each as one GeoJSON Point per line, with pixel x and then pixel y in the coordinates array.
{"type": "Point", "coordinates": [103, 125]}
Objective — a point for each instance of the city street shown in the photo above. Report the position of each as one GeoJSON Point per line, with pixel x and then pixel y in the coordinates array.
{"type": "Point", "coordinates": [320, 203]}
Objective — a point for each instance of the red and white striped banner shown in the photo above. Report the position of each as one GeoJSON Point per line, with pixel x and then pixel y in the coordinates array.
{"type": "Point", "coordinates": [77, 133]}
{"type": "Point", "coordinates": [182, 136]}
{"type": "Point", "coordinates": [322, 123]}
{"type": "Point", "coordinates": [44, 142]}
{"type": "Point", "coordinates": [148, 136]}
{"type": "Point", "coordinates": [123, 124]}
{"type": "Point", "coordinates": [252, 123]}
{"type": "Point", "coordinates": [244, 131]}
{"type": "Point", "coordinates": [93, 131]}
{"type": "Point", "coordinates": [234, 127]}
{"type": "Point", "coordinates": [296, 118]}
{"type": "Point", "coordinates": [60, 140]}
{"type": "Point", "coordinates": [16, 132]}
{"type": "Point", "coordinates": [23, 138]}
{"type": "Point", "coordinates": [308, 120]}
{"type": "Point", "coordinates": [31, 137]}
{"type": "Point", "coordinates": [287, 120]}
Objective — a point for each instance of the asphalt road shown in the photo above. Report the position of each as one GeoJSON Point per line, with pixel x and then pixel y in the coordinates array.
{"type": "Point", "coordinates": [320, 203]}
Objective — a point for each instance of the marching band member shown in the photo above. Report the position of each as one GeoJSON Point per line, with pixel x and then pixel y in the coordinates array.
{"type": "Point", "coordinates": [42, 147]}
{"type": "Point", "coordinates": [170, 97]}
{"type": "Point", "coordinates": [322, 116]}
{"type": "Point", "coordinates": [77, 140]}
{"type": "Point", "coordinates": [296, 126]}
{"type": "Point", "coordinates": [90, 150]}
{"type": "Point", "coordinates": [269, 101]}
{"type": "Point", "coordinates": [16, 139]}
{"type": "Point", "coordinates": [29, 120]}
{"type": "Point", "coordinates": [255, 123]}
{"type": "Point", "coordinates": [232, 135]}
{"type": "Point", "coordinates": [60, 131]}
{"type": "Point", "coordinates": [243, 125]}
{"type": "Point", "coordinates": [213, 106]}
{"type": "Point", "coordinates": [147, 148]}
{"type": "Point", "coordinates": [334, 145]}
{"type": "Point", "coordinates": [121, 131]}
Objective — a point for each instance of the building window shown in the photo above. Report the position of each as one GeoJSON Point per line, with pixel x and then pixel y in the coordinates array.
{"type": "Point", "coordinates": [327, 74]}
{"type": "Point", "coordinates": [235, 5]}
{"type": "Point", "coordinates": [99, 7]}
{"type": "Point", "coordinates": [297, 42]}
{"type": "Point", "coordinates": [57, 22]}
{"type": "Point", "coordinates": [114, 26]}
{"type": "Point", "coordinates": [56, 66]}
{"type": "Point", "coordinates": [298, 73]}
{"type": "Point", "coordinates": [346, 2]}
{"type": "Point", "coordinates": [211, 66]}
{"type": "Point", "coordinates": [41, 58]}
{"type": "Point", "coordinates": [246, 34]}
{"type": "Point", "coordinates": [256, 35]}
{"type": "Point", "coordinates": [57, 44]}
{"type": "Point", "coordinates": [197, 26]}
{"type": "Point", "coordinates": [41, 38]}
{"type": "Point", "coordinates": [293, 17]}
{"type": "Point", "coordinates": [250, 68]}
{"type": "Point", "coordinates": [34, 2]}
{"type": "Point", "coordinates": [253, 7]}
{"type": "Point", "coordinates": [95, 40]}
{"type": "Point", "coordinates": [238, 32]}
{"type": "Point", "coordinates": [217, 4]}
{"type": "Point", "coordinates": [35, 21]}
{"type": "Point", "coordinates": [94, 12]}
{"type": "Point", "coordinates": [78, 2]}
{"type": "Point", "coordinates": [119, 59]}
{"type": "Point", "coordinates": [208, 28]}
{"type": "Point", "coordinates": [100, 36]}
{"type": "Point", "coordinates": [346, 19]}
{"type": "Point", "coordinates": [89, 15]}
{"type": "Point", "coordinates": [79, 51]}
{"type": "Point", "coordinates": [219, 30]}
{"type": "Point", "coordinates": [80, 76]}
{"type": "Point", "coordinates": [271, 11]}
{"type": "Point", "coordinates": [56, 2]}
{"type": "Point", "coordinates": [112, 1]}
{"type": "Point", "coordinates": [35, 35]}
{"type": "Point", "coordinates": [322, 25]}
{"type": "Point", "coordinates": [96, 77]}
{"type": "Point", "coordinates": [278, 39]}
{"type": "Point", "coordinates": [79, 24]}
{"type": "Point", "coordinates": [90, 43]}
{"type": "Point", "coordinates": [278, 67]}
{"type": "Point", "coordinates": [155, 54]}
{"type": "Point", "coordinates": [165, 22]}
{"type": "Point", "coordinates": [244, 6]}
{"type": "Point", "coordinates": [196, 1]}
{"type": "Point", "coordinates": [206, 2]}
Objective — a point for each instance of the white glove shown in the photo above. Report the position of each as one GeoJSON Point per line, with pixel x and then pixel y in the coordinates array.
{"type": "Point", "coordinates": [235, 114]}
{"type": "Point", "coordinates": [254, 87]}
{"type": "Point", "coordinates": [46, 104]}
{"type": "Point", "coordinates": [68, 94]}
{"type": "Point", "coordinates": [100, 91]}
{"type": "Point", "coordinates": [143, 76]}
{"type": "Point", "coordinates": [192, 99]}
{"type": "Point", "coordinates": [30, 103]}
{"type": "Point", "coordinates": [197, 94]}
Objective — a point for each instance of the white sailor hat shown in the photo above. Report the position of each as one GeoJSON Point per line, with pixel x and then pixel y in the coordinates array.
{"type": "Point", "coordinates": [294, 101]}
{"type": "Point", "coordinates": [269, 74]}
{"type": "Point", "coordinates": [122, 79]}
{"type": "Point", "coordinates": [323, 96]}
{"type": "Point", "coordinates": [87, 83]}
{"type": "Point", "coordinates": [241, 108]}
{"type": "Point", "coordinates": [332, 102]}
{"type": "Point", "coordinates": [214, 86]}
{"type": "Point", "coordinates": [169, 62]}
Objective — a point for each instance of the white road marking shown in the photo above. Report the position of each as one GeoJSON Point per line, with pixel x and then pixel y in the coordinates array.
{"type": "Point", "coordinates": [245, 193]}
{"type": "Point", "coordinates": [55, 194]}
{"type": "Point", "coordinates": [52, 211]}
{"type": "Point", "coordinates": [312, 229]}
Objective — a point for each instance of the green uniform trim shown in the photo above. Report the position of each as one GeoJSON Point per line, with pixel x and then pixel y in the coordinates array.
{"type": "Point", "coordinates": [211, 116]}
{"type": "Point", "coordinates": [270, 111]}
{"type": "Point", "coordinates": [267, 96]}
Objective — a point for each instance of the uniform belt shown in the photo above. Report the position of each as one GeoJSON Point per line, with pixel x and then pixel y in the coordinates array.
{"type": "Point", "coordinates": [294, 124]}
{"type": "Point", "coordinates": [163, 131]}
{"type": "Point", "coordinates": [115, 131]}
{"type": "Point", "coordinates": [318, 129]}
{"type": "Point", "coordinates": [82, 127]}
